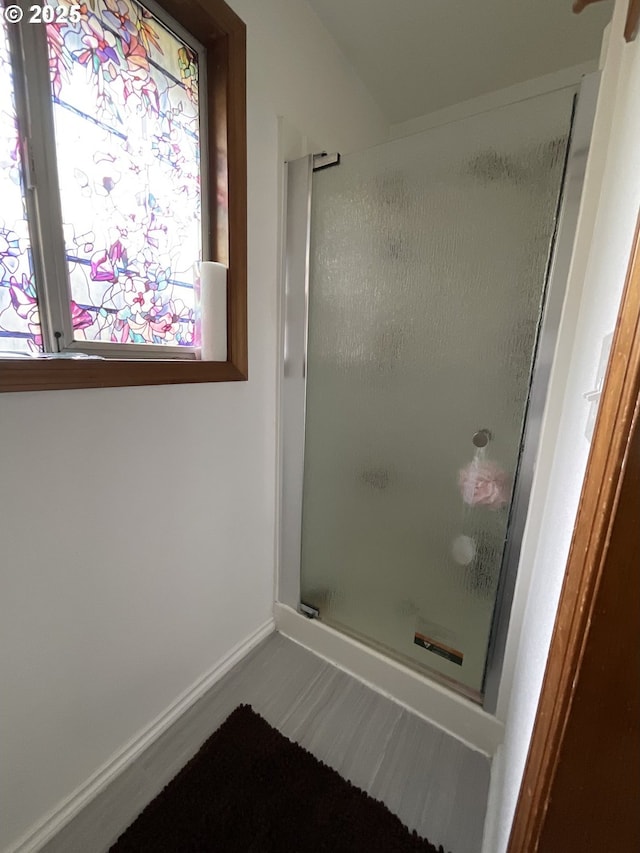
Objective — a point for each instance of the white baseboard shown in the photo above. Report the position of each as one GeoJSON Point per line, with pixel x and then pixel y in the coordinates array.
{"type": "Point", "coordinates": [53, 822]}
{"type": "Point", "coordinates": [453, 713]}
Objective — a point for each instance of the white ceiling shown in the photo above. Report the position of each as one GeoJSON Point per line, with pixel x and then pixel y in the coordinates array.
{"type": "Point", "coordinates": [416, 56]}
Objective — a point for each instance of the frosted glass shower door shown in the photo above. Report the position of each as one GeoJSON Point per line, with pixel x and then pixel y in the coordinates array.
{"type": "Point", "coordinates": [428, 265]}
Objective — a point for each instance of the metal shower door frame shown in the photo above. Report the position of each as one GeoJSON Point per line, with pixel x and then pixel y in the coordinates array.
{"type": "Point", "coordinates": [544, 351]}
{"type": "Point", "coordinates": [293, 376]}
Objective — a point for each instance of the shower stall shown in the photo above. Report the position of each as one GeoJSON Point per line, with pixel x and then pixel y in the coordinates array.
{"type": "Point", "coordinates": [424, 285]}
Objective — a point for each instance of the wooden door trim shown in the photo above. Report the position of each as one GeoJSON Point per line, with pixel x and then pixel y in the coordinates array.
{"type": "Point", "coordinates": [587, 556]}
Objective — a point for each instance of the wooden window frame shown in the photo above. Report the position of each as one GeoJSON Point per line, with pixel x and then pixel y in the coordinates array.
{"type": "Point", "coordinates": [223, 34]}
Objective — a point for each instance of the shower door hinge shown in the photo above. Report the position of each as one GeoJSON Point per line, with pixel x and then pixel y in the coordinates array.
{"type": "Point", "coordinates": [324, 161]}
{"type": "Point", "coordinates": [308, 611]}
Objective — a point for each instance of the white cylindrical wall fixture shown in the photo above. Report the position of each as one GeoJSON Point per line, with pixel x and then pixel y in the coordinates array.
{"type": "Point", "coordinates": [213, 311]}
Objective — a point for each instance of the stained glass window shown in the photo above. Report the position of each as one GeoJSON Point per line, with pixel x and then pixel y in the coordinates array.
{"type": "Point", "coordinates": [125, 91]}
{"type": "Point", "coordinates": [19, 321]}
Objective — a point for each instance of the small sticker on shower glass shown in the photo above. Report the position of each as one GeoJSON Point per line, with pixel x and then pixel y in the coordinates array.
{"type": "Point", "coordinates": [438, 648]}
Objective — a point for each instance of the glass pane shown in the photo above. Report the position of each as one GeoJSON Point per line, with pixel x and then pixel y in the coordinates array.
{"type": "Point", "coordinates": [125, 93]}
{"type": "Point", "coordinates": [428, 265]}
{"type": "Point", "coordinates": [19, 320]}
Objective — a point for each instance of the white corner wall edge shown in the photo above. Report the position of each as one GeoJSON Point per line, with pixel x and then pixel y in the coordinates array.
{"type": "Point", "coordinates": [456, 715]}
{"type": "Point", "coordinates": [53, 822]}
{"type": "Point", "coordinates": [489, 831]}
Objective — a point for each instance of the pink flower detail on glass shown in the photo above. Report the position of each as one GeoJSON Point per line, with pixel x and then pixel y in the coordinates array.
{"type": "Point", "coordinates": [117, 14]}
{"type": "Point", "coordinates": [60, 59]}
{"type": "Point", "coordinates": [26, 307]}
{"type": "Point", "coordinates": [80, 317]}
{"type": "Point", "coordinates": [483, 483]}
{"type": "Point", "coordinates": [102, 267]}
{"type": "Point", "coordinates": [100, 45]}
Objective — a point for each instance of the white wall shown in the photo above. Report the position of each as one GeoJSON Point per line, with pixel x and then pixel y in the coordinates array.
{"type": "Point", "coordinates": [605, 232]}
{"type": "Point", "coordinates": [137, 524]}
{"type": "Point", "coordinates": [494, 100]}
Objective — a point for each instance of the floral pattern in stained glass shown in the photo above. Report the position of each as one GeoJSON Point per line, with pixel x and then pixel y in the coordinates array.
{"type": "Point", "coordinates": [125, 93]}
{"type": "Point", "coordinates": [19, 319]}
